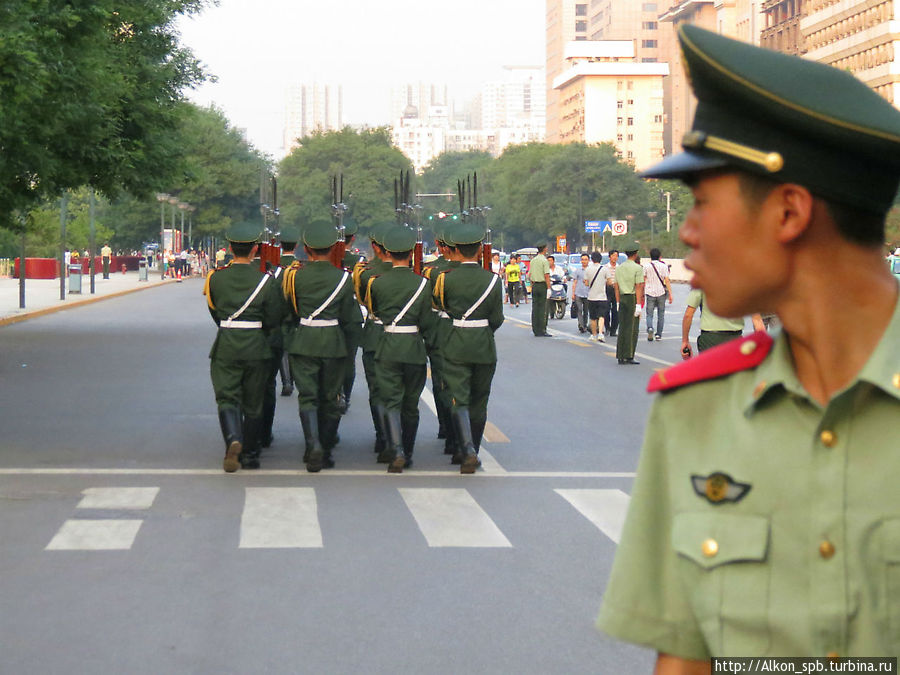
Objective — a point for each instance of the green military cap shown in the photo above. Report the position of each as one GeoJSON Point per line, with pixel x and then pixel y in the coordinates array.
{"type": "Point", "coordinates": [290, 233]}
{"type": "Point", "coordinates": [631, 247]}
{"type": "Point", "coordinates": [351, 227]}
{"type": "Point", "coordinates": [243, 233]}
{"type": "Point", "coordinates": [788, 118]}
{"type": "Point", "coordinates": [376, 233]}
{"type": "Point", "coordinates": [465, 233]}
{"type": "Point", "coordinates": [399, 239]}
{"type": "Point", "coordinates": [320, 234]}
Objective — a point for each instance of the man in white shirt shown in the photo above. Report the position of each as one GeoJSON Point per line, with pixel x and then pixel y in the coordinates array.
{"type": "Point", "coordinates": [657, 288]}
{"type": "Point", "coordinates": [596, 276]}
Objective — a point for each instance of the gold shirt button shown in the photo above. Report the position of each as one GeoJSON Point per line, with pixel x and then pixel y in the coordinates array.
{"type": "Point", "coordinates": [828, 438]}
{"type": "Point", "coordinates": [760, 388]}
{"type": "Point", "coordinates": [710, 548]}
{"type": "Point", "coordinates": [748, 347]}
{"type": "Point", "coordinates": [826, 549]}
{"type": "Point", "coordinates": [896, 380]}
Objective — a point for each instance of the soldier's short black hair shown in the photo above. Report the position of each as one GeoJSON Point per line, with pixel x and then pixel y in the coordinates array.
{"type": "Point", "coordinates": [468, 250]}
{"type": "Point", "coordinates": [241, 249]}
{"type": "Point", "coordinates": [400, 255]}
{"type": "Point", "coordinates": [318, 251]}
{"type": "Point", "coordinates": [288, 246]}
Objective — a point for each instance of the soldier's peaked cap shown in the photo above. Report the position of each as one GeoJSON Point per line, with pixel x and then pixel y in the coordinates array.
{"type": "Point", "coordinates": [788, 118]}
{"type": "Point", "coordinates": [464, 233]}
{"type": "Point", "coordinates": [243, 233]}
{"type": "Point", "coordinates": [350, 226]}
{"type": "Point", "coordinates": [399, 239]}
{"type": "Point", "coordinates": [290, 234]}
{"type": "Point", "coordinates": [320, 234]}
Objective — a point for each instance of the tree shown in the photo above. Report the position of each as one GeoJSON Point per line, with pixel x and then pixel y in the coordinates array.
{"type": "Point", "coordinates": [89, 95]}
{"type": "Point", "coordinates": [368, 162]}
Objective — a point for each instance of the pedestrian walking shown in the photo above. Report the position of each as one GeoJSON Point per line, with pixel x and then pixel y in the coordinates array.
{"type": "Point", "coordinates": [764, 516]}
{"type": "Point", "coordinates": [513, 280]}
{"type": "Point", "coordinates": [580, 293]}
{"type": "Point", "coordinates": [612, 316]}
{"type": "Point", "coordinates": [657, 289]}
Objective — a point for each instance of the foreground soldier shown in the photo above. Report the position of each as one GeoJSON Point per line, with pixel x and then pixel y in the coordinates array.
{"type": "Point", "coordinates": [290, 237]}
{"type": "Point", "coordinates": [773, 528]}
{"type": "Point", "coordinates": [245, 305]}
{"type": "Point", "coordinates": [321, 297]}
{"type": "Point", "coordinates": [473, 299]}
{"type": "Point", "coordinates": [401, 299]}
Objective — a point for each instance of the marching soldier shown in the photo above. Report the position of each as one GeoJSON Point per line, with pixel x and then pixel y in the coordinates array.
{"type": "Point", "coordinates": [473, 299]}
{"type": "Point", "coordinates": [351, 260]}
{"type": "Point", "coordinates": [321, 297]}
{"type": "Point", "coordinates": [765, 515]}
{"type": "Point", "coordinates": [245, 305]}
{"type": "Point", "coordinates": [401, 299]}
{"type": "Point", "coordinates": [363, 274]}
{"type": "Point", "coordinates": [290, 237]}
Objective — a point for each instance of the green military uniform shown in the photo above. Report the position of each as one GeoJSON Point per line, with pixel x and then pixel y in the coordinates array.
{"type": "Point", "coordinates": [628, 275]}
{"type": "Point", "coordinates": [714, 329]}
{"type": "Point", "coordinates": [363, 274]}
{"type": "Point", "coordinates": [472, 297]}
{"type": "Point", "coordinates": [290, 236]}
{"type": "Point", "coordinates": [764, 522]}
{"type": "Point", "coordinates": [538, 267]}
{"type": "Point", "coordinates": [446, 431]}
{"type": "Point", "coordinates": [321, 298]}
{"type": "Point", "coordinates": [401, 299]}
{"type": "Point", "coordinates": [349, 263]}
{"type": "Point", "coordinates": [241, 353]}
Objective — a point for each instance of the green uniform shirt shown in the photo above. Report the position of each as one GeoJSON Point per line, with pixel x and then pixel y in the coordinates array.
{"type": "Point", "coordinates": [462, 285]}
{"type": "Point", "coordinates": [538, 267]}
{"type": "Point", "coordinates": [351, 258]}
{"type": "Point", "coordinates": [391, 292]}
{"type": "Point", "coordinates": [628, 275]}
{"type": "Point", "coordinates": [227, 289]}
{"type": "Point", "coordinates": [371, 330]}
{"type": "Point", "coordinates": [708, 320]}
{"type": "Point", "coordinates": [807, 561]}
{"type": "Point", "coordinates": [313, 284]}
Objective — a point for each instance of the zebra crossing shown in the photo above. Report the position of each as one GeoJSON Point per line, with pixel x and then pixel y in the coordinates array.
{"type": "Point", "coordinates": [289, 518]}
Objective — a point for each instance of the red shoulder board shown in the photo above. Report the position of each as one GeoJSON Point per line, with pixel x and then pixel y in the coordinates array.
{"type": "Point", "coordinates": [725, 359]}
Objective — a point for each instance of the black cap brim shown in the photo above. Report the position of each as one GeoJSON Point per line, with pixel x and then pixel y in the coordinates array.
{"type": "Point", "coordinates": [684, 164]}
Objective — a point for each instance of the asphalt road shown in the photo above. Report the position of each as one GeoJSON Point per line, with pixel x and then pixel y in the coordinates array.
{"type": "Point", "coordinates": [126, 549]}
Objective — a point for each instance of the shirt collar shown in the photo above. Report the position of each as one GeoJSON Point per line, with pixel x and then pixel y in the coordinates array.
{"type": "Point", "coordinates": [882, 370]}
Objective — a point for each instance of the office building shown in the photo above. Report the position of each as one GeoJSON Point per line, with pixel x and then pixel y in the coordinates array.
{"type": "Point", "coordinates": [311, 107]}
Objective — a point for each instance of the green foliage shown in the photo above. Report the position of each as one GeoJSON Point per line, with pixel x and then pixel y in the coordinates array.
{"type": "Point", "coordinates": [368, 162]}
{"type": "Point", "coordinates": [89, 95]}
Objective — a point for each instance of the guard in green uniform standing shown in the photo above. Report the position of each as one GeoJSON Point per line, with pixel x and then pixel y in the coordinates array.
{"type": "Point", "coordinates": [472, 297]}
{"type": "Point", "coordinates": [321, 297]}
{"type": "Point", "coordinates": [630, 298]}
{"type": "Point", "coordinates": [401, 299]}
{"type": "Point", "coordinates": [351, 260]}
{"type": "Point", "coordinates": [290, 237]}
{"type": "Point", "coordinates": [539, 273]}
{"type": "Point", "coordinates": [363, 274]}
{"type": "Point", "coordinates": [438, 387]}
{"type": "Point", "coordinates": [765, 516]}
{"type": "Point", "coordinates": [245, 305]}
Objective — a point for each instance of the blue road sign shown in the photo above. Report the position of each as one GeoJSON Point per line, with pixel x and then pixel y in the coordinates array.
{"type": "Point", "coordinates": [597, 225]}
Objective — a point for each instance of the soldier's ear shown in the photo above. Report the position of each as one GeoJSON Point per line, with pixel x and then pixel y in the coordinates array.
{"type": "Point", "coordinates": [792, 206]}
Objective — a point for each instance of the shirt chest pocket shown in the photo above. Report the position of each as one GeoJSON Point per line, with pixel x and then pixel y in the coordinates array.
{"type": "Point", "coordinates": [723, 566]}
{"type": "Point", "coordinates": [891, 548]}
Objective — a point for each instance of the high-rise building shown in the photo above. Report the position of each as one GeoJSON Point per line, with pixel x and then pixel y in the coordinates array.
{"type": "Point", "coordinates": [567, 21]}
{"type": "Point", "coordinates": [418, 98]}
{"type": "Point", "coordinates": [607, 96]}
{"type": "Point", "coordinates": [636, 20]}
{"type": "Point", "coordinates": [862, 36]}
{"type": "Point", "coordinates": [518, 100]}
{"type": "Point", "coordinates": [311, 107]}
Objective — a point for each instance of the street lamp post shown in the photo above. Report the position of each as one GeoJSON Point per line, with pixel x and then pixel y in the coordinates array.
{"type": "Point", "coordinates": [668, 210]}
{"type": "Point", "coordinates": [651, 215]}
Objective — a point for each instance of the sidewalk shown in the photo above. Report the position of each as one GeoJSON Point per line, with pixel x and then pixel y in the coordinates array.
{"type": "Point", "coordinates": [42, 295]}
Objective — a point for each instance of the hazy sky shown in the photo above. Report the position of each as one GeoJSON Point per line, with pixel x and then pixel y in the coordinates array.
{"type": "Point", "coordinates": [257, 47]}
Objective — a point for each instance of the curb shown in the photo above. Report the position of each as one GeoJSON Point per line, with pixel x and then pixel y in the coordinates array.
{"type": "Point", "coordinates": [9, 320]}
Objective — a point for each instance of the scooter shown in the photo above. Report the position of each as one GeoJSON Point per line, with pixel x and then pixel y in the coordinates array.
{"type": "Point", "coordinates": [559, 297]}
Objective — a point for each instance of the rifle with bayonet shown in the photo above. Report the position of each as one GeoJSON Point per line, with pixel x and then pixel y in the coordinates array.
{"type": "Point", "coordinates": [338, 209]}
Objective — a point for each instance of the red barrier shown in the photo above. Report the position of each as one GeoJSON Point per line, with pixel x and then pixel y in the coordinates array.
{"type": "Point", "coordinates": [39, 268]}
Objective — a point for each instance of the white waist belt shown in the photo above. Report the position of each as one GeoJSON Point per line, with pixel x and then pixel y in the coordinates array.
{"type": "Point", "coordinates": [441, 313]}
{"type": "Point", "coordinates": [401, 329]}
{"type": "Point", "coordinates": [378, 322]}
{"type": "Point", "coordinates": [318, 322]}
{"type": "Point", "coordinates": [234, 323]}
{"type": "Point", "coordinates": [471, 323]}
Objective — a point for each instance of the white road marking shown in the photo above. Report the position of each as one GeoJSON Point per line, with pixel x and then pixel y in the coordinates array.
{"type": "Point", "coordinates": [280, 518]}
{"type": "Point", "coordinates": [95, 535]}
{"type": "Point", "coordinates": [488, 463]}
{"type": "Point", "coordinates": [451, 517]}
{"type": "Point", "coordinates": [604, 508]}
{"type": "Point", "coordinates": [428, 397]}
{"type": "Point", "coordinates": [449, 472]}
{"type": "Point", "coordinates": [118, 498]}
